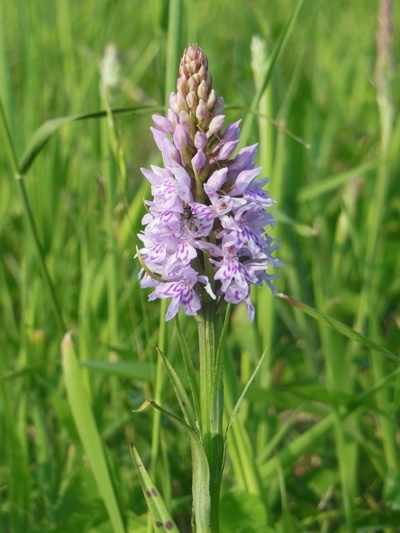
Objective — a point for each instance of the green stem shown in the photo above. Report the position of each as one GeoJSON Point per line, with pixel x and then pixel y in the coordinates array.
{"type": "Point", "coordinates": [211, 404]}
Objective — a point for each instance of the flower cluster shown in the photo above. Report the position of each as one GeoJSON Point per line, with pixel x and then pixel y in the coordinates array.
{"type": "Point", "coordinates": [204, 234]}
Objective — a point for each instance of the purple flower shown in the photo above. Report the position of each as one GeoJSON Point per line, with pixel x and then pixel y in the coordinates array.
{"type": "Point", "coordinates": [204, 233]}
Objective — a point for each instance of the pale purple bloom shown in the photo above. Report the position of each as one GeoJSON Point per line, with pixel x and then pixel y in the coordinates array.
{"type": "Point", "coordinates": [184, 290]}
{"type": "Point", "coordinates": [204, 236]}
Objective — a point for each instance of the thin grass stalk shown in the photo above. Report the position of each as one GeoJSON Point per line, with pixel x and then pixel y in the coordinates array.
{"type": "Point", "coordinates": [264, 297]}
{"type": "Point", "coordinates": [338, 381]}
{"type": "Point", "coordinates": [110, 79]}
{"type": "Point", "coordinates": [85, 341]}
{"type": "Point", "coordinates": [383, 76]}
{"type": "Point", "coordinates": [277, 50]}
{"type": "Point", "coordinates": [111, 251]}
{"type": "Point", "coordinates": [348, 448]}
{"type": "Point", "coordinates": [241, 454]}
{"type": "Point", "coordinates": [43, 460]}
{"type": "Point", "coordinates": [174, 38]}
{"type": "Point", "coordinates": [20, 480]}
{"type": "Point", "coordinates": [327, 285]}
{"type": "Point", "coordinates": [6, 91]}
{"type": "Point", "coordinates": [67, 43]}
{"type": "Point", "coordinates": [115, 179]}
{"type": "Point", "coordinates": [31, 221]}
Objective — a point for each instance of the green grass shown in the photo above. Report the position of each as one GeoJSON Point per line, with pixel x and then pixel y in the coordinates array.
{"type": "Point", "coordinates": [314, 446]}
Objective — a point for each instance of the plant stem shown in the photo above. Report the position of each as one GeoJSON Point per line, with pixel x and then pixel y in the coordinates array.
{"type": "Point", "coordinates": [211, 404]}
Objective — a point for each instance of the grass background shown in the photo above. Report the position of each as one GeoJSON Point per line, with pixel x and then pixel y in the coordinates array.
{"type": "Point", "coordinates": [315, 445]}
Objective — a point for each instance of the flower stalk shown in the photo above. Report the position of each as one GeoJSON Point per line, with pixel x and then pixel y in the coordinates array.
{"type": "Point", "coordinates": [211, 404]}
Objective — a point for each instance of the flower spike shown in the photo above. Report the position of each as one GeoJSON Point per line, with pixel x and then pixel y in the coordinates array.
{"type": "Point", "coordinates": [204, 235]}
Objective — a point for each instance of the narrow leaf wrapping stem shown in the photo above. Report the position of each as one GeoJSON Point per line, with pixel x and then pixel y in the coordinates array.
{"type": "Point", "coordinates": [201, 472]}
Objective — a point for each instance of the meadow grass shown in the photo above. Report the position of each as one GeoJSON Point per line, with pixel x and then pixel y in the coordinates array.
{"type": "Point", "coordinates": [314, 446]}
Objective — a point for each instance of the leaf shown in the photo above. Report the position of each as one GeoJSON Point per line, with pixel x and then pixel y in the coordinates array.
{"type": "Point", "coordinates": [313, 190]}
{"type": "Point", "coordinates": [308, 440]}
{"type": "Point", "coordinates": [201, 471]}
{"type": "Point", "coordinates": [190, 371]}
{"type": "Point", "coordinates": [87, 430]}
{"type": "Point", "coordinates": [278, 48]}
{"type": "Point", "coordinates": [160, 515]}
{"type": "Point", "coordinates": [43, 134]}
{"type": "Point", "coordinates": [124, 369]}
{"type": "Point", "coordinates": [183, 399]}
{"type": "Point", "coordinates": [301, 229]}
{"type": "Point", "coordinates": [221, 345]}
{"type": "Point", "coordinates": [340, 327]}
{"type": "Point", "coordinates": [241, 397]}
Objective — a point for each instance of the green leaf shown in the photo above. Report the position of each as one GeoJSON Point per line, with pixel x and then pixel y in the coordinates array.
{"type": "Point", "coordinates": [88, 433]}
{"type": "Point", "coordinates": [301, 229]}
{"type": "Point", "coordinates": [183, 398]}
{"type": "Point", "coordinates": [242, 396]}
{"type": "Point", "coordinates": [313, 190]}
{"type": "Point", "coordinates": [308, 440]}
{"type": "Point", "coordinates": [200, 474]}
{"type": "Point", "coordinates": [190, 371]}
{"type": "Point", "coordinates": [340, 327]}
{"type": "Point", "coordinates": [43, 134]}
{"type": "Point", "coordinates": [160, 515]}
{"type": "Point", "coordinates": [124, 369]}
{"type": "Point", "coordinates": [276, 52]}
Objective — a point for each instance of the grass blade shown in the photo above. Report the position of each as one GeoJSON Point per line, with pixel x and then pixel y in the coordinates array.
{"type": "Point", "coordinates": [43, 134]}
{"type": "Point", "coordinates": [340, 327]}
{"type": "Point", "coordinates": [331, 183]}
{"type": "Point", "coordinates": [20, 482]}
{"type": "Point", "coordinates": [88, 431]}
{"type": "Point", "coordinates": [243, 394]}
{"type": "Point", "coordinates": [279, 47]}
